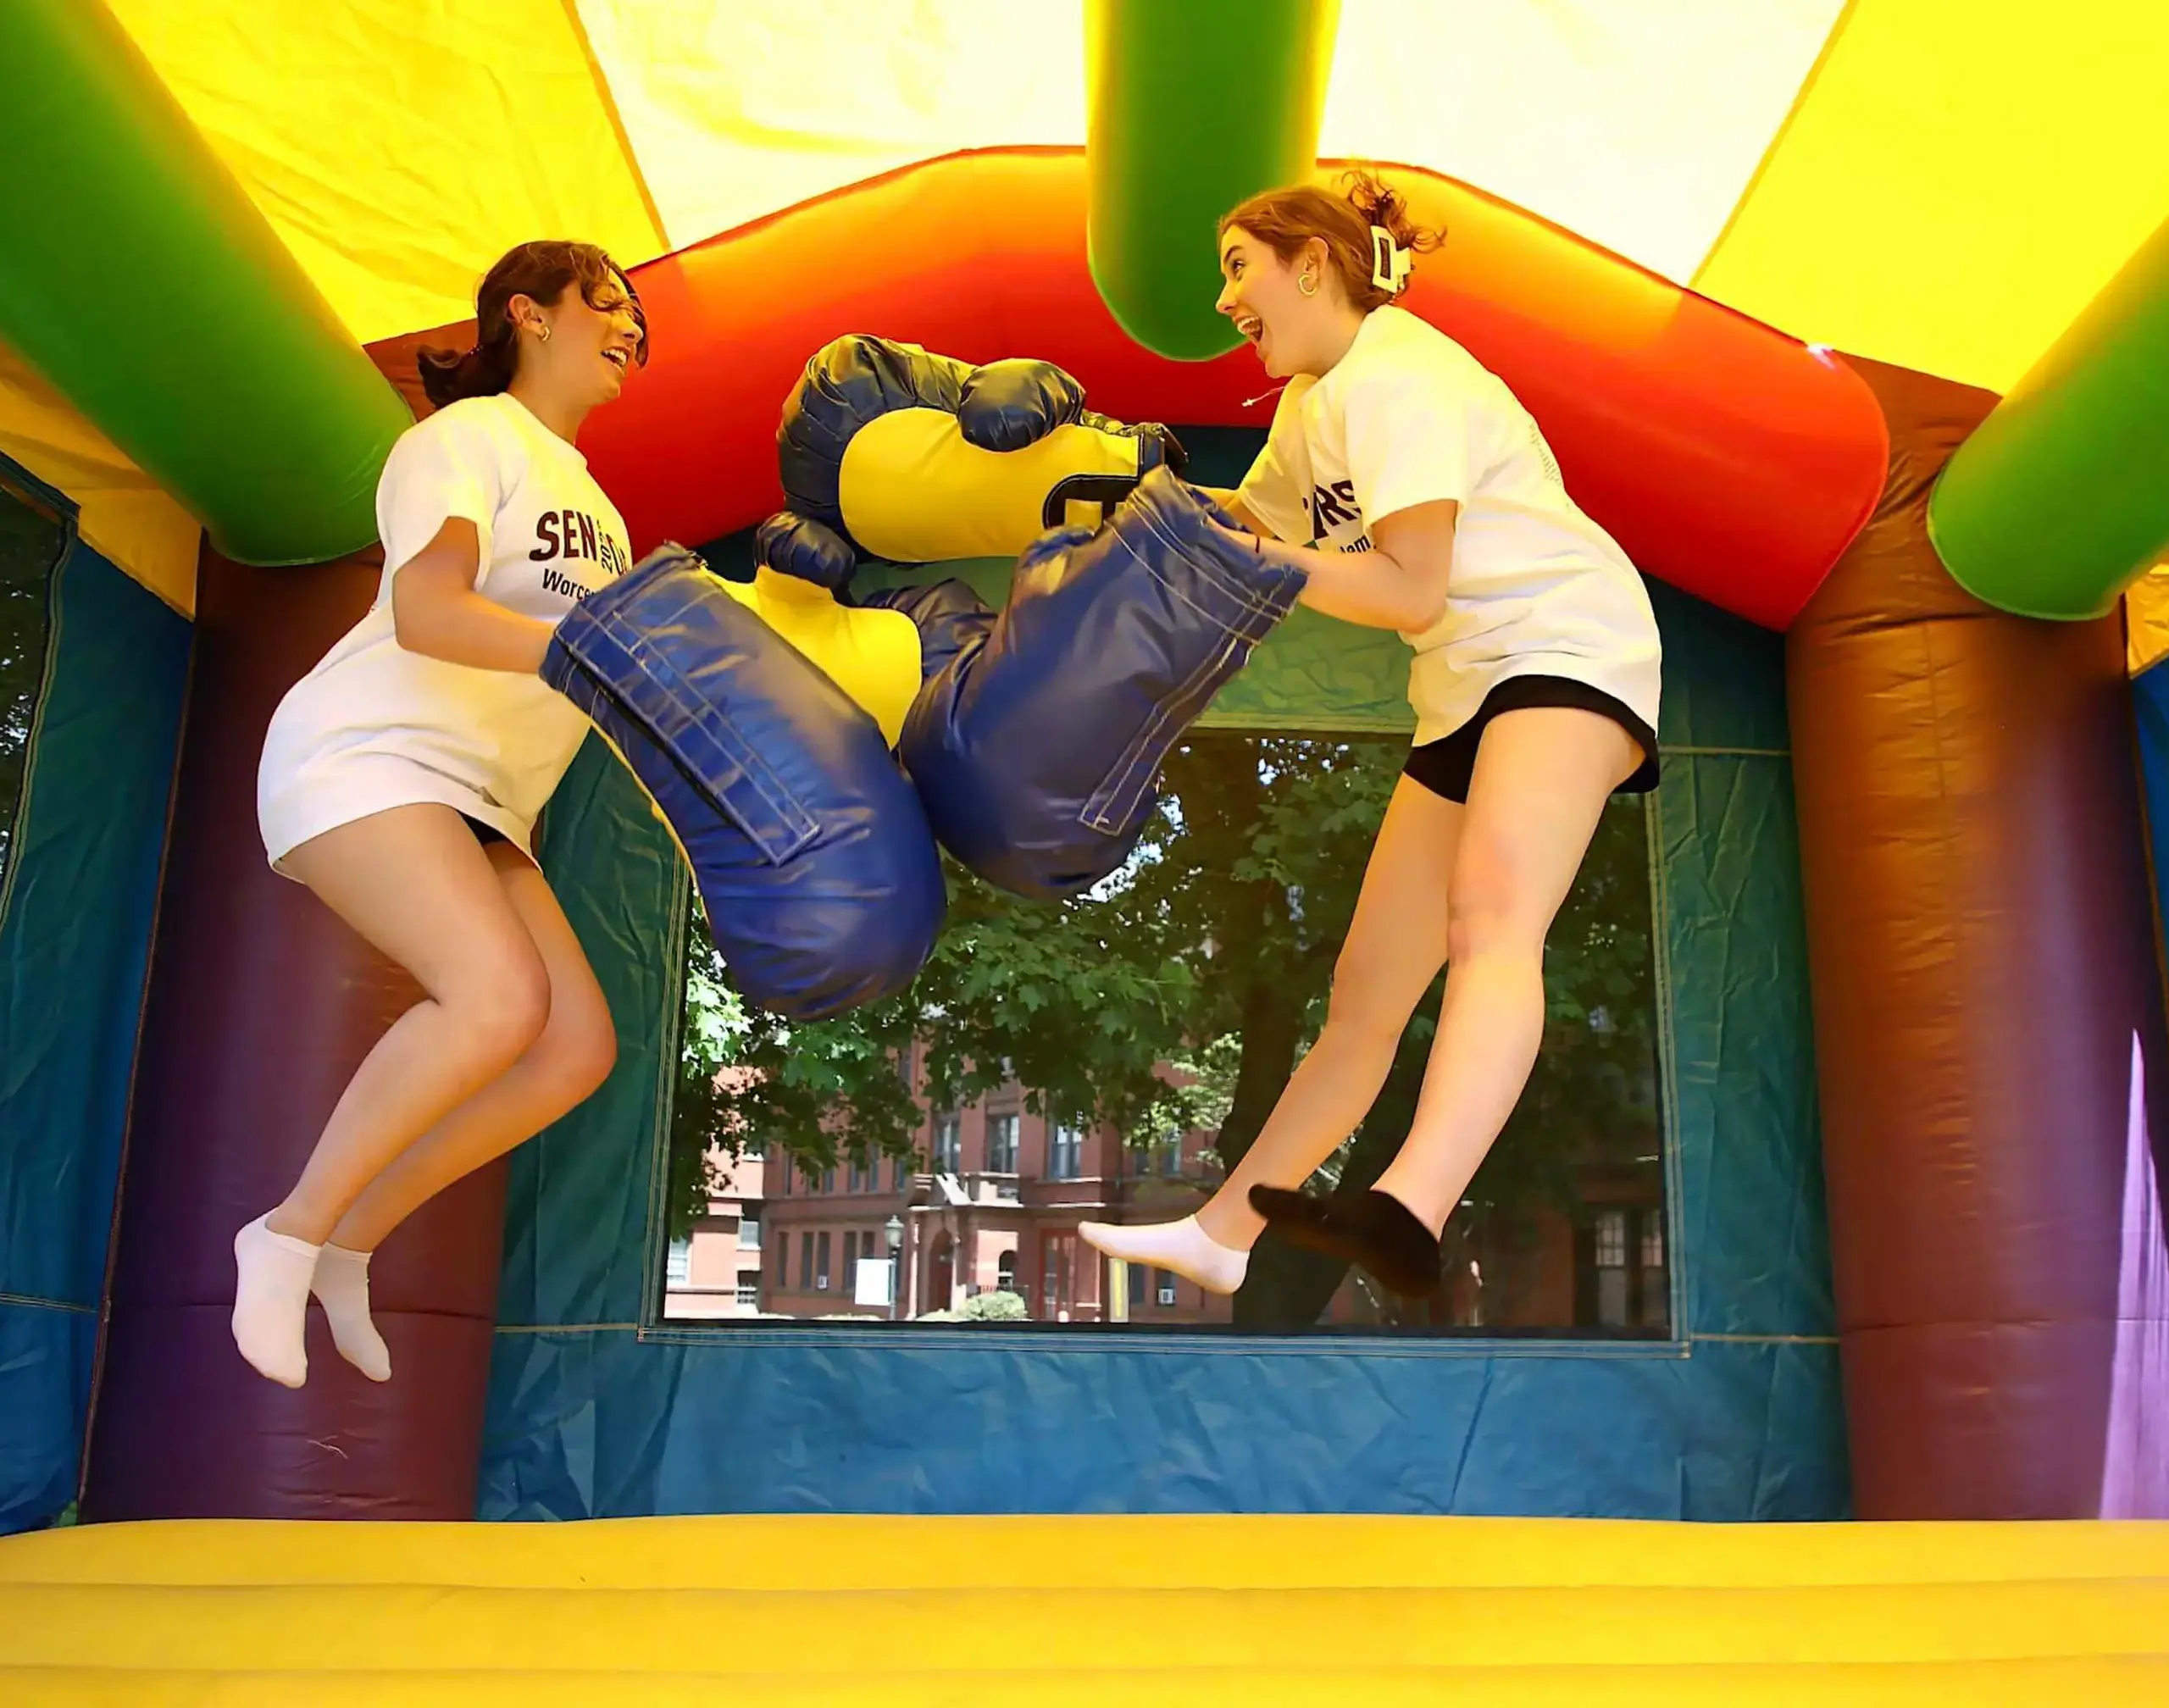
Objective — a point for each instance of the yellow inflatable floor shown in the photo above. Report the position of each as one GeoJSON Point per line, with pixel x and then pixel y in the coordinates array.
{"type": "Point", "coordinates": [1113, 1613]}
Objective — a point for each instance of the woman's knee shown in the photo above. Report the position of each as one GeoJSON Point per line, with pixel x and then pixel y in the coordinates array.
{"type": "Point", "coordinates": [501, 1005]}
{"type": "Point", "coordinates": [579, 1053]}
{"type": "Point", "coordinates": [1489, 908]}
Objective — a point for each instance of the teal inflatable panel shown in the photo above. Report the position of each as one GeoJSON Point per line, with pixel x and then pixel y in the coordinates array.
{"type": "Point", "coordinates": [1752, 1222]}
{"type": "Point", "coordinates": [1740, 1418]}
{"type": "Point", "coordinates": [621, 1428]}
{"type": "Point", "coordinates": [75, 916]}
{"type": "Point", "coordinates": [46, 1350]}
{"type": "Point", "coordinates": [583, 1221]}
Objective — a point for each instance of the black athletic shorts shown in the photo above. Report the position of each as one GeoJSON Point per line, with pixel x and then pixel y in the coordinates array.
{"type": "Point", "coordinates": [485, 833]}
{"type": "Point", "coordinates": [1445, 765]}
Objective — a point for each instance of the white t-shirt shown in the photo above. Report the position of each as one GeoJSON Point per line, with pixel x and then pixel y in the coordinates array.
{"type": "Point", "coordinates": [1408, 417]}
{"type": "Point", "coordinates": [374, 726]}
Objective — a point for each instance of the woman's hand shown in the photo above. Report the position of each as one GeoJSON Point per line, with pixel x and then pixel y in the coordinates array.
{"type": "Point", "coordinates": [1233, 505]}
{"type": "Point", "coordinates": [436, 612]}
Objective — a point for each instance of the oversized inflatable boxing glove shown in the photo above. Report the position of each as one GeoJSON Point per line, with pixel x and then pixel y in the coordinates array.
{"type": "Point", "coordinates": [821, 882]}
{"type": "Point", "coordinates": [1037, 739]}
{"type": "Point", "coordinates": [890, 451]}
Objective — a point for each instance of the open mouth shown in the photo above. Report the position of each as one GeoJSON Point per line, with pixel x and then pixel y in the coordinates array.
{"type": "Point", "coordinates": [1251, 327]}
{"type": "Point", "coordinates": [619, 358]}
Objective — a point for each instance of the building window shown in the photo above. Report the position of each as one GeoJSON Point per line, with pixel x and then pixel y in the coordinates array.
{"type": "Point", "coordinates": [828, 1179]}
{"type": "Point", "coordinates": [783, 1262]}
{"type": "Point", "coordinates": [782, 1189]}
{"type": "Point", "coordinates": [1164, 1286]}
{"type": "Point", "coordinates": [749, 1229]}
{"type": "Point", "coordinates": [948, 1144]}
{"type": "Point", "coordinates": [1065, 1152]}
{"type": "Point", "coordinates": [851, 1261]}
{"type": "Point", "coordinates": [806, 1263]}
{"type": "Point", "coordinates": [821, 1264]}
{"type": "Point", "coordinates": [1002, 1144]}
{"type": "Point", "coordinates": [1057, 1274]}
{"type": "Point", "coordinates": [904, 1066]}
{"type": "Point", "coordinates": [1136, 1285]}
{"type": "Point", "coordinates": [1611, 1268]}
{"type": "Point", "coordinates": [749, 1287]}
{"type": "Point", "coordinates": [900, 1172]}
{"type": "Point", "coordinates": [678, 1269]}
{"type": "Point", "coordinates": [1657, 1277]}
{"type": "Point", "coordinates": [1005, 1272]}
{"type": "Point", "coordinates": [858, 1176]}
{"type": "Point", "coordinates": [1167, 1158]}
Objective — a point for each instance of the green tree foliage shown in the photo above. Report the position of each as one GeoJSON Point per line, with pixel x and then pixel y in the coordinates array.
{"type": "Point", "coordinates": [31, 542]}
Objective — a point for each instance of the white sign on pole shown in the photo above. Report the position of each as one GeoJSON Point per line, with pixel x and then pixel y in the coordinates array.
{"type": "Point", "coordinates": [875, 1282]}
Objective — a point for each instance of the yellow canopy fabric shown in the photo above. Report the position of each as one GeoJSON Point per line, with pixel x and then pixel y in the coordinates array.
{"type": "Point", "coordinates": [1941, 184]}
{"type": "Point", "coordinates": [1958, 181]}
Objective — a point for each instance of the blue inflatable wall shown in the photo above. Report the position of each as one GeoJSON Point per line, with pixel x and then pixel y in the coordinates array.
{"type": "Point", "coordinates": [76, 901]}
{"type": "Point", "coordinates": [599, 1410]}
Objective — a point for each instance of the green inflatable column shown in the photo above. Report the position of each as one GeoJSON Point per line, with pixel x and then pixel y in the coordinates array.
{"type": "Point", "coordinates": [1191, 107]}
{"type": "Point", "coordinates": [2061, 497]}
{"type": "Point", "coordinates": [139, 280]}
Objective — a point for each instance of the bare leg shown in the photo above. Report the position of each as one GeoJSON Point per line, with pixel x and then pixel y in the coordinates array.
{"type": "Point", "coordinates": [560, 1068]}
{"type": "Point", "coordinates": [558, 1072]}
{"type": "Point", "coordinates": [1396, 945]}
{"type": "Point", "coordinates": [416, 883]}
{"type": "Point", "coordinates": [1542, 777]}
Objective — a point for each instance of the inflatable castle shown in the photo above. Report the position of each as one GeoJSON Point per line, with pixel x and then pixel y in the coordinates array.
{"type": "Point", "coordinates": [1849, 320]}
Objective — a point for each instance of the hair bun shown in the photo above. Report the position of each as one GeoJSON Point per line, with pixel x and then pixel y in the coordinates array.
{"type": "Point", "coordinates": [1380, 204]}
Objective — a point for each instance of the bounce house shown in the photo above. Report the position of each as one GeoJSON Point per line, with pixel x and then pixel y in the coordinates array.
{"type": "Point", "coordinates": [1835, 1369]}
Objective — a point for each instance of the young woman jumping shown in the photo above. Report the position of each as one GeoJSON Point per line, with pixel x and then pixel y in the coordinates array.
{"type": "Point", "coordinates": [402, 778]}
{"type": "Point", "coordinates": [1420, 497]}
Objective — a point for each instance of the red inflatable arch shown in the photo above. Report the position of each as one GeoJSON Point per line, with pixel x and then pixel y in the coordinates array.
{"type": "Point", "coordinates": [1728, 459]}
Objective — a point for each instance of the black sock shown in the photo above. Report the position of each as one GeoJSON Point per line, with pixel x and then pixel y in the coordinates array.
{"type": "Point", "coordinates": [1377, 1231]}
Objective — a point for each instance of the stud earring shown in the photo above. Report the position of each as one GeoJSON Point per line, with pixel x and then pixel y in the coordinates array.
{"type": "Point", "coordinates": [543, 333]}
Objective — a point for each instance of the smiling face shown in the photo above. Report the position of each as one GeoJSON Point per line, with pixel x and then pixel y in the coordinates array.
{"type": "Point", "coordinates": [594, 338]}
{"type": "Point", "coordinates": [1263, 295]}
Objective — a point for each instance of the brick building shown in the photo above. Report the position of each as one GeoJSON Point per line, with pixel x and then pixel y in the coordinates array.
{"type": "Point", "coordinates": [989, 1204]}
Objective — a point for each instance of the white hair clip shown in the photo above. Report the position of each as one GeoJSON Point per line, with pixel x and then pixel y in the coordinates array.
{"type": "Point", "coordinates": [1390, 263]}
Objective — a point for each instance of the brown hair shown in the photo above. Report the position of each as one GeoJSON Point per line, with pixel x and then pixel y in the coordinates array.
{"type": "Point", "coordinates": [1286, 219]}
{"type": "Point", "coordinates": [539, 271]}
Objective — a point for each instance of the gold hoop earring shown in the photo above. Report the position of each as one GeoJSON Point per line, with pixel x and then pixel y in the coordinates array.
{"type": "Point", "coordinates": [543, 333]}
{"type": "Point", "coordinates": [1308, 284]}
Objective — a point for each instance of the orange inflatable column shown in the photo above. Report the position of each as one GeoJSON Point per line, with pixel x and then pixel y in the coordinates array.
{"type": "Point", "coordinates": [1983, 957]}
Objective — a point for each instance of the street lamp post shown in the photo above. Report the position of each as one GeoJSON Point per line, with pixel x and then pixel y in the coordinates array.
{"type": "Point", "coordinates": [895, 1233]}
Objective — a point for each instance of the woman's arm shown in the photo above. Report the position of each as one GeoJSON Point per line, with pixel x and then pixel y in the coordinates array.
{"type": "Point", "coordinates": [436, 612]}
{"type": "Point", "coordinates": [1399, 583]}
{"type": "Point", "coordinates": [1233, 504]}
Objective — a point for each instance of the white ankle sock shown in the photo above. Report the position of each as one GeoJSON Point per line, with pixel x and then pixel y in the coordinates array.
{"type": "Point", "coordinates": [342, 1288]}
{"type": "Point", "coordinates": [271, 1301]}
{"type": "Point", "coordinates": [1182, 1246]}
